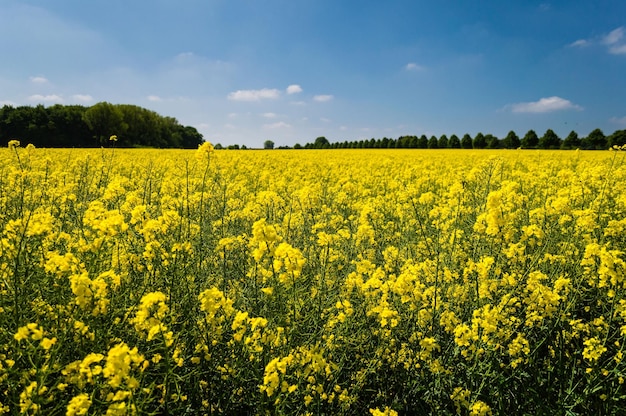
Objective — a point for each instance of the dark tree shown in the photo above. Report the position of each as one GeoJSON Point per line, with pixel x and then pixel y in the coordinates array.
{"type": "Point", "coordinates": [479, 141]}
{"type": "Point", "coordinates": [433, 142]}
{"type": "Point", "coordinates": [530, 140]}
{"type": "Point", "coordinates": [511, 141]}
{"type": "Point", "coordinates": [466, 141]}
{"type": "Point", "coordinates": [595, 140]}
{"type": "Point", "coordinates": [268, 144]}
{"type": "Point", "coordinates": [618, 138]}
{"type": "Point", "coordinates": [422, 143]}
{"type": "Point", "coordinates": [549, 140]}
{"type": "Point", "coordinates": [572, 141]}
{"type": "Point", "coordinates": [443, 142]}
{"type": "Point", "coordinates": [321, 142]}
{"type": "Point", "coordinates": [454, 142]}
{"type": "Point", "coordinates": [492, 141]}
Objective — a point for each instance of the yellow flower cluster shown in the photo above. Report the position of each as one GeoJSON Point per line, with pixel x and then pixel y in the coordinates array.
{"type": "Point", "coordinates": [330, 282]}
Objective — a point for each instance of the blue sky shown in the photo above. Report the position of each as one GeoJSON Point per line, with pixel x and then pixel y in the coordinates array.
{"type": "Point", "coordinates": [245, 71]}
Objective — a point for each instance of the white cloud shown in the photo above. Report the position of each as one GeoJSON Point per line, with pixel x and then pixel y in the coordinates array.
{"type": "Point", "coordinates": [269, 115]}
{"type": "Point", "coordinates": [294, 89]}
{"type": "Point", "coordinates": [618, 50]}
{"type": "Point", "coordinates": [323, 98]}
{"type": "Point", "coordinates": [254, 95]}
{"type": "Point", "coordinates": [615, 41]}
{"type": "Point", "coordinates": [46, 98]}
{"type": "Point", "coordinates": [614, 36]}
{"type": "Point", "coordinates": [544, 105]}
{"type": "Point", "coordinates": [277, 125]}
{"type": "Point", "coordinates": [82, 97]}
{"type": "Point", "coordinates": [7, 102]}
{"type": "Point", "coordinates": [325, 120]}
{"type": "Point", "coordinates": [580, 43]}
{"type": "Point", "coordinates": [38, 80]}
{"type": "Point", "coordinates": [297, 103]}
{"type": "Point", "coordinates": [412, 66]}
{"type": "Point", "coordinates": [154, 98]}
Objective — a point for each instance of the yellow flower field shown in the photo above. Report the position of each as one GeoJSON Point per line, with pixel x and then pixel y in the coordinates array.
{"type": "Point", "coordinates": [312, 282]}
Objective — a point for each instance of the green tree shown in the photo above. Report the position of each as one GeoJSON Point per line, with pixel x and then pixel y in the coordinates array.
{"type": "Point", "coordinates": [454, 142]}
{"type": "Point", "coordinates": [530, 140]}
{"type": "Point", "coordinates": [618, 138]}
{"type": "Point", "coordinates": [466, 141]}
{"type": "Point", "coordinates": [511, 141]}
{"type": "Point", "coordinates": [321, 142]}
{"type": "Point", "coordinates": [492, 141]}
{"type": "Point", "coordinates": [268, 144]}
{"type": "Point", "coordinates": [479, 141]}
{"type": "Point", "coordinates": [595, 140]}
{"type": "Point", "coordinates": [104, 120]}
{"type": "Point", "coordinates": [433, 142]}
{"type": "Point", "coordinates": [572, 141]}
{"type": "Point", "coordinates": [443, 142]}
{"type": "Point", "coordinates": [422, 143]}
{"type": "Point", "coordinates": [549, 140]}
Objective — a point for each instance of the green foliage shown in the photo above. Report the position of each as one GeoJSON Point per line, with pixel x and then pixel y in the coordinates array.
{"type": "Point", "coordinates": [549, 140]}
{"type": "Point", "coordinates": [454, 142]}
{"type": "Point", "coordinates": [466, 141]}
{"type": "Point", "coordinates": [530, 140]}
{"type": "Point", "coordinates": [511, 141]}
{"type": "Point", "coordinates": [442, 143]}
{"type": "Point", "coordinates": [479, 141]}
{"type": "Point", "coordinates": [80, 126]}
{"type": "Point", "coordinates": [595, 140]}
{"type": "Point", "coordinates": [268, 144]}
{"type": "Point", "coordinates": [572, 141]}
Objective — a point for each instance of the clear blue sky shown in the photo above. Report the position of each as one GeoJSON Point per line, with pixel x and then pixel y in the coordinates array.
{"type": "Point", "coordinates": [292, 70]}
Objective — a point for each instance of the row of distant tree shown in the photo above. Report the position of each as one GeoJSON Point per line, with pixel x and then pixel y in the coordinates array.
{"type": "Point", "coordinates": [550, 140]}
{"type": "Point", "coordinates": [81, 126]}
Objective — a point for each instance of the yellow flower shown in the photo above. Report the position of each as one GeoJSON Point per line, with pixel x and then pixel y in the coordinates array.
{"type": "Point", "coordinates": [78, 405]}
{"type": "Point", "coordinates": [594, 348]}
{"type": "Point", "coordinates": [47, 343]}
{"type": "Point", "coordinates": [113, 138]}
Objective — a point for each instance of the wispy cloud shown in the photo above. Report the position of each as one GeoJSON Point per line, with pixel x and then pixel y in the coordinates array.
{"type": "Point", "coordinates": [38, 80]}
{"type": "Point", "coordinates": [544, 105]}
{"type": "Point", "coordinates": [412, 66]}
{"type": "Point", "coordinates": [85, 98]}
{"type": "Point", "coordinates": [53, 98]}
{"type": "Point", "coordinates": [613, 36]}
{"type": "Point", "coordinates": [277, 125]}
{"type": "Point", "coordinates": [269, 115]}
{"type": "Point", "coordinates": [580, 43]}
{"type": "Point", "coordinates": [254, 95]}
{"type": "Point", "coordinates": [323, 98]}
{"type": "Point", "coordinates": [294, 89]}
{"type": "Point", "coordinates": [154, 98]}
{"type": "Point", "coordinates": [7, 102]}
{"type": "Point", "coordinates": [615, 41]}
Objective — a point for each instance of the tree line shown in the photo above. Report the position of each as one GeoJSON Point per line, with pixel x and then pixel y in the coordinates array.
{"type": "Point", "coordinates": [596, 140]}
{"type": "Point", "coordinates": [81, 126]}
